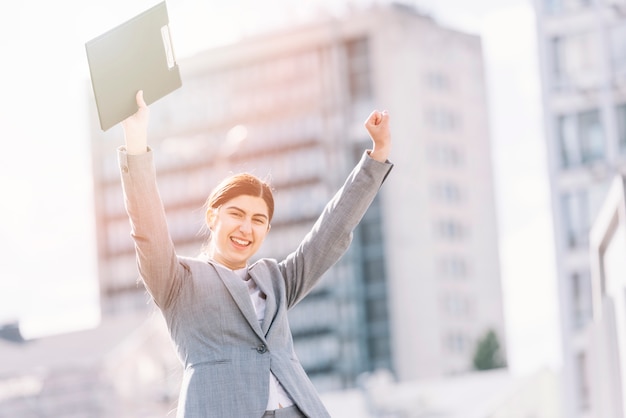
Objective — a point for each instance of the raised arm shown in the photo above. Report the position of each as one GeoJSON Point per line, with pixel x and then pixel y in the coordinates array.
{"type": "Point", "coordinates": [331, 235]}
{"type": "Point", "coordinates": [156, 258]}
{"type": "Point", "coordinates": [136, 128]}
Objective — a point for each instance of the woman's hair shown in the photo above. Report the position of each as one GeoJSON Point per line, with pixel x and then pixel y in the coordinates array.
{"type": "Point", "coordinates": [243, 184]}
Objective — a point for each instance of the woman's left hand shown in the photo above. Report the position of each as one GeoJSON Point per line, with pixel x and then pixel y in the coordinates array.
{"type": "Point", "coordinates": [377, 125]}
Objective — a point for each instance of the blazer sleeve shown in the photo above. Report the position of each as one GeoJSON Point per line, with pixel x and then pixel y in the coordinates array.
{"type": "Point", "coordinates": [331, 234]}
{"type": "Point", "coordinates": [156, 257]}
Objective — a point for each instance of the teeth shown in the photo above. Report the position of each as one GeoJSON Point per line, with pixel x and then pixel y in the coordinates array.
{"type": "Point", "coordinates": [240, 241]}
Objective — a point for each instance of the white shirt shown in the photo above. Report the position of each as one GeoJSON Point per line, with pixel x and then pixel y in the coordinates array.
{"type": "Point", "coordinates": [278, 396]}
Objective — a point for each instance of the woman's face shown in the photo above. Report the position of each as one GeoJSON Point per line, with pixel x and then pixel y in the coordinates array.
{"type": "Point", "coordinates": [238, 229]}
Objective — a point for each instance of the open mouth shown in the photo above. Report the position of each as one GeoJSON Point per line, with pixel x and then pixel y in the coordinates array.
{"type": "Point", "coordinates": [240, 242]}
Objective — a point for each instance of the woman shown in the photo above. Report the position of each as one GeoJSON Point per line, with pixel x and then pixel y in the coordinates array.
{"type": "Point", "coordinates": [226, 317]}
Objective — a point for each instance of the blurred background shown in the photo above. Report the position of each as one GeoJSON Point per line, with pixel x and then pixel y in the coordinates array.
{"type": "Point", "coordinates": [487, 279]}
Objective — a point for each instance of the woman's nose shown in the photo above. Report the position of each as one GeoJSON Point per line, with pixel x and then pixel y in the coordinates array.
{"type": "Point", "coordinates": [245, 226]}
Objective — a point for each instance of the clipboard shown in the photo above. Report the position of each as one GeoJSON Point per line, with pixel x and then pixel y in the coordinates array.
{"type": "Point", "coordinates": [136, 55]}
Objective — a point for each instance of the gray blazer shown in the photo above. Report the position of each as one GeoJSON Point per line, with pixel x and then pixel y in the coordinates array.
{"type": "Point", "coordinates": [227, 356]}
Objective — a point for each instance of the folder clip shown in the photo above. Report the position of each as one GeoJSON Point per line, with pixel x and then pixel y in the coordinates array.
{"type": "Point", "coordinates": [167, 43]}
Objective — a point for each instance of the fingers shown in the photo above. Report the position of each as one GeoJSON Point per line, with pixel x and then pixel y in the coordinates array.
{"type": "Point", "coordinates": [141, 103]}
{"type": "Point", "coordinates": [373, 118]}
{"type": "Point", "coordinates": [377, 117]}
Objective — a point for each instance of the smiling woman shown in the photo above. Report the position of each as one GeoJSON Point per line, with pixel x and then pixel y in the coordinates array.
{"type": "Point", "coordinates": [242, 306]}
{"type": "Point", "coordinates": [239, 212]}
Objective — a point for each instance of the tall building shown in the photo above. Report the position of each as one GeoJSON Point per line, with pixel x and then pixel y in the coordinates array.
{"type": "Point", "coordinates": [420, 284]}
{"type": "Point", "coordinates": [582, 47]}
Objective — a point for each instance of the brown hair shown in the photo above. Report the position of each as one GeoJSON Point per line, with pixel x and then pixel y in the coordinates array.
{"type": "Point", "coordinates": [238, 185]}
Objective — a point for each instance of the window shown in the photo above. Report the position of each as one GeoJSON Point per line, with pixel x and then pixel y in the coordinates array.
{"type": "Point", "coordinates": [446, 155]}
{"type": "Point", "coordinates": [581, 138]}
{"type": "Point", "coordinates": [591, 136]}
{"type": "Point", "coordinates": [456, 342]}
{"type": "Point", "coordinates": [570, 152]}
{"type": "Point", "coordinates": [443, 120]}
{"type": "Point", "coordinates": [581, 298]}
{"type": "Point", "coordinates": [453, 266]}
{"type": "Point", "coordinates": [551, 6]}
{"type": "Point", "coordinates": [358, 64]}
{"type": "Point", "coordinates": [618, 48]}
{"type": "Point", "coordinates": [575, 211]}
{"type": "Point", "coordinates": [456, 305]}
{"type": "Point", "coordinates": [447, 192]}
{"type": "Point", "coordinates": [437, 81]}
{"type": "Point", "coordinates": [583, 381]}
{"type": "Point", "coordinates": [620, 115]}
{"type": "Point", "coordinates": [576, 60]}
{"type": "Point", "coordinates": [450, 230]}
{"type": "Point", "coordinates": [561, 6]}
{"type": "Point", "coordinates": [374, 270]}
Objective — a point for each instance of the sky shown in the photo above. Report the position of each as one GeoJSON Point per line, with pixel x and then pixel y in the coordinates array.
{"type": "Point", "coordinates": [48, 258]}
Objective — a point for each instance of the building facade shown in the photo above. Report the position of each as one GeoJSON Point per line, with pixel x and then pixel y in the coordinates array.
{"type": "Point", "coordinates": [123, 368]}
{"type": "Point", "coordinates": [582, 45]}
{"type": "Point", "coordinates": [608, 331]}
{"type": "Point", "coordinates": [420, 283]}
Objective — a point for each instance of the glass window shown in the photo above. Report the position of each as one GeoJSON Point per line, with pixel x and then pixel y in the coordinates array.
{"type": "Point", "coordinates": [446, 154]}
{"type": "Point", "coordinates": [438, 81]}
{"type": "Point", "coordinates": [447, 192]}
{"type": "Point", "coordinates": [581, 298]}
{"type": "Point", "coordinates": [450, 229]}
{"type": "Point", "coordinates": [560, 6]}
{"type": "Point", "coordinates": [376, 309]}
{"type": "Point", "coordinates": [371, 232]}
{"type": "Point", "coordinates": [456, 342]}
{"type": "Point", "coordinates": [618, 48]}
{"type": "Point", "coordinates": [591, 136]}
{"type": "Point", "coordinates": [620, 114]}
{"type": "Point", "coordinates": [374, 270]}
{"type": "Point", "coordinates": [581, 138]}
{"type": "Point", "coordinates": [575, 209]}
{"type": "Point", "coordinates": [570, 155]}
{"type": "Point", "coordinates": [551, 6]}
{"type": "Point", "coordinates": [456, 305]}
{"type": "Point", "coordinates": [357, 52]}
{"type": "Point", "coordinates": [442, 120]}
{"type": "Point", "coordinates": [453, 266]}
{"type": "Point", "coordinates": [380, 352]}
{"type": "Point", "coordinates": [576, 60]}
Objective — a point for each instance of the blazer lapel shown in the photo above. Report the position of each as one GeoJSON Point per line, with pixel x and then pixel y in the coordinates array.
{"type": "Point", "coordinates": [265, 284]}
{"type": "Point", "coordinates": [239, 292]}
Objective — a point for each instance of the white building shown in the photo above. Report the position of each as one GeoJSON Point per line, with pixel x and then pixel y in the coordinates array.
{"type": "Point", "coordinates": [583, 67]}
{"type": "Point", "coordinates": [607, 373]}
{"type": "Point", "coordinates": [421, 283]}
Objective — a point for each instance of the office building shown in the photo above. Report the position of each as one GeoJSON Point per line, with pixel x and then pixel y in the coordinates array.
{"type": "Point", "coordinates": [420, 284]}
{"type": "Point", "coordinates": [582, 47]}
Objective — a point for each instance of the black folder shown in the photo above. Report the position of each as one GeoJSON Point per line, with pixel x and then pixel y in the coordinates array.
{"type": "Point", "coordinates": [136, 55]}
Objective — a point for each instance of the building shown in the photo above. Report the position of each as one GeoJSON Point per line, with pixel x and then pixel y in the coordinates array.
{"type": "Point", "coordinates": [123, 368]}
{"type": "Point", "coordinates": [420, 284]}
{"type": "Point", "coordinates": [582, 47]}
{"type": "Point", "coordinates": [607, 373]}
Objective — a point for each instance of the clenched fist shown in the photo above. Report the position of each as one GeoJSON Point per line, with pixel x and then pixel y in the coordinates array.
{"type": "Point", "coordinates": [377, 125]}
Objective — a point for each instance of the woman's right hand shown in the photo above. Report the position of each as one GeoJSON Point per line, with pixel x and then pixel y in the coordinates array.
{"type": "Point", "coordinates": [136, 127]}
